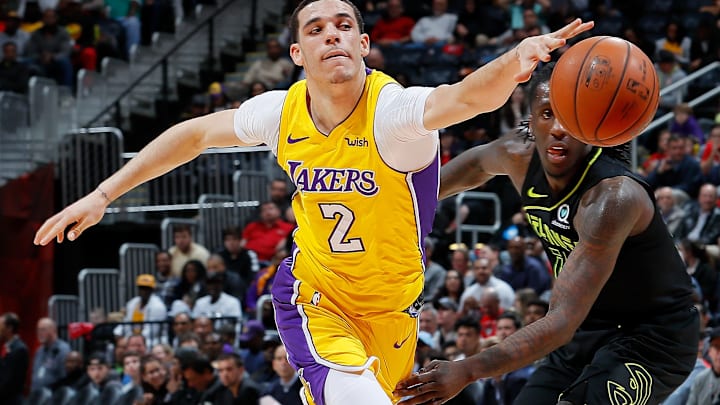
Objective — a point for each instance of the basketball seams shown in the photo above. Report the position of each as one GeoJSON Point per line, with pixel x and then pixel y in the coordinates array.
{"type": "Point", "coordinates": [651, 104]}
{"type": "Point", "coordinates": [611, 103]}
{"type": "Point", "coordinates": [577, 85]}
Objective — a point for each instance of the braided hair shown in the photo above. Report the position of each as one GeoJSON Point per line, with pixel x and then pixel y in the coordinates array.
{"type": "Point", "coordinates": [620, 153]}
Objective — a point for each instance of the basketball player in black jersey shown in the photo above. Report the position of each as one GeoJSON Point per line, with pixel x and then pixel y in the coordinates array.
{"type": "Point", "coordinates": [621, 327]}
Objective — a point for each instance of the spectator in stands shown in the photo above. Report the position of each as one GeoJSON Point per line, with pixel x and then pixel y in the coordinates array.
{"type": "Point", "coordinates": [447, 315]}
{"type": "Point", "coordinates": [263, 281]}
{"type": "Point", "coordinates": [700, 267]}
{"type": "Point", "coordinates": [185, 249]}
{"type": "Point", "coordinates": [256, 88]}
{"type": "Point", "coordinates": [155, 377]}
{"type": "Point", "coordinates": [669, 72]}
{"type": "Point", "coordinates": [264, 236]}
{"type": "Point", "coordinates": [671, 213]}
{"type": "Point", "coordinates": [436, 29]}
{"type": "Point", "coordinates": [681, 393]}
{"type": "Point", "coordinates": [163, 352]}
{"type": "Point", "coordinates": [145, 307]}
{"type": "Point", "coordinates": [704, 44]}
{"type": "Point", "coordinates": [535, 310]}
{"type": "Point", "coordinates": [13, 33]}
{"type": "Point", "coordinates": [14, 75]}
{"type": "Point", "coordinates": [119, 349]}
{"type": "Point", "coordinates": [485, 279]}
{"type": "Point", "coordinates": [252, 342]}
{"type": "Point", "coordinates": [452, 289]}
{"type": "Point", "coordinates": [686, 125]}
{"type": "Point", "coordinates": [706, 386]}
{"type": "Point", "coordinates": [189, 340]}
{"type": "Point", "coordinates": [674, 42]}
{"type": "Point", "coordinates": [523, 296]}
{"type": "Point", "coordinates": [131, 370]}
{"type": "Point", "coordinates": [434, 273]}
{"type": "Point", "coordinates": [237, 259]}
{"type": "Point", "coordinates": [234, 285]}
{"type": "Point", "coordinates": [274, 71]}
{"type": "Point", "coordinates": [166, 282]}
{"type": "Point", "coordinates": [514, 111]}
{"type": "Point", "coordinates": [48, 50]}
{"type": "Point", "coordinates": [710, 153]}
{"type": "Point", "coordinates": [182, 323]}
{"type": "Point", "coordinates": [428, 320]}
{"type": "Point", "coordinates": [524, 271]}
{"type": "Point", "coordinates": [14, 360]}
{"type": "Point", "coordinates": [75, 374]}
{"type": "Point", "coordinates": [202, 326]}
{"type": "Point", "coordinates": [98, 370]}
{"type": "Point", "coordinates": [238, 388]}
{"type": "Point", "coordinates": [286, 389]}
{"type": "Point", "coordinates": [218, 99]}
{"type": "Point", "coordinates": [460, 262]}
{"type": "Point", "coordinates": [190, 288]}
{"type": "Point", "coordinates": [490, 310]}
{"type": "Point", "coordinates": [677, 170]}
{"type": "Point", "coordinates": [660, 153]}
{"type": "Point", "coordinates": [394, 27]}
{"type": "Point", "coordinates": [126, 12]}
{"type": "Point", "coordinates": [212, 346]}
{"type": "Point", "coordinates": [469, 24]}
{"type": "Point", "coordinates": [201, 384]}
{"type": "Point", "coordinates": [280, 195]}
{"type": "Point", "coordinates": [702, 219]}
{"type": "Point", "coordinates": [217, 303]}
{"type": "Point", "coordinates": [49, 362]}
{"type": "Point", "coordinates": [468, 337]}
{"type": "Point", "coordinates": [137, 344]}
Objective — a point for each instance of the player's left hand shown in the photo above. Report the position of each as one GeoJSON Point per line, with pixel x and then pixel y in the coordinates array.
{"type": "Point", "coordinates": [537, 48]}
{"type": "Point", "coordinates": [435, 384]}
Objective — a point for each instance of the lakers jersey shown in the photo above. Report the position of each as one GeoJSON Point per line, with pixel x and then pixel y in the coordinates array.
{"type": "Point", "coordinates": [648, 260]}
{"type": "Point", "coordinates": [360, 222]}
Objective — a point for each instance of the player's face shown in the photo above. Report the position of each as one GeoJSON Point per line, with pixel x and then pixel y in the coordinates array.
{"type": "Point", "coordinates": [330, 46]}
{"type": "Point", "coordinates": [560, 153]}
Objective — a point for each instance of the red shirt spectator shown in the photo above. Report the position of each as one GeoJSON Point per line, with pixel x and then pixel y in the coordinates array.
{"type": "Point", "coordinates": [263, 236]}
{"type": "Point", "coordinates": [394, 27]}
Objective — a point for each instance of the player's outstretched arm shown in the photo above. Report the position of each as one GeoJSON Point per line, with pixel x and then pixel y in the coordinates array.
{"type": "Point", "coordinates": [177, 145]}
{"type": "Point", "coordinates": [489, 87]}
{"type": "Point", "coordinates": [509, 154]}
{"type": "Point", "coordinates": [610, 212]}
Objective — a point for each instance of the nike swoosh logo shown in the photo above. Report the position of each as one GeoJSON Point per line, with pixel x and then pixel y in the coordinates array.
{"type": "Point", "coordinates": [290, 139]}
{"type": "Point", "coordinates": [532, 194]}
{"type": "Point", "coordinates": [399, 345]}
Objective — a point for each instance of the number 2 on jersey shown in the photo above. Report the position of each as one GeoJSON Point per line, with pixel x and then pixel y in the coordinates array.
{"type": "Point", "coordinates": [338, 237]}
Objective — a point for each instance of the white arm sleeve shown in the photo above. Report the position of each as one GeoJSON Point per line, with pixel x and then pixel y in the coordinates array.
{"type": "Point", "coordinates": [257, 120]}
{"type": "Point", "coordinates": [403, 142]}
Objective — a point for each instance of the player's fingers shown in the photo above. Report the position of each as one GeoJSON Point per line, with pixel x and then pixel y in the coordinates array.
{"type": "Point", "coordinates": [76, 230]}
{"type": "Point", "coordinates": [51, 229]}
{"type": "Point", "coordinates": [429, 397]}
{"type": "Point", "coordinates": [525, 72]}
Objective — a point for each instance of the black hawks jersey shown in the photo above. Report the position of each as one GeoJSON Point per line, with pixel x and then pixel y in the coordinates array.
{"type": "Point", "coordinates": [649, 277]}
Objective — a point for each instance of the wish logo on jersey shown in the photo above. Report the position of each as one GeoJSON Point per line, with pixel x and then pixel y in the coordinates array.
{"type": "Point", "coordinates": [332, 180]}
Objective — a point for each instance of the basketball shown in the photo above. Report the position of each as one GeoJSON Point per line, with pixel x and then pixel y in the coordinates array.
{"type": "Point", "coordinates": [604, 90]}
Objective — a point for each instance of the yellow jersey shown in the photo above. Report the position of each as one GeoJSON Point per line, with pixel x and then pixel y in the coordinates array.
{"type": "Point", "coordinates": [360, 222]}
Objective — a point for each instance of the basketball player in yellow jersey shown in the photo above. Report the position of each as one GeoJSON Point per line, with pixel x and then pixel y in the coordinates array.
{"type": "Point", "coordinates": [362, 151]}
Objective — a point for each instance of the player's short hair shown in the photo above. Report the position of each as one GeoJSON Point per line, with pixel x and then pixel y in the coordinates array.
{"type": "Point", "coordinates": [295, 23]}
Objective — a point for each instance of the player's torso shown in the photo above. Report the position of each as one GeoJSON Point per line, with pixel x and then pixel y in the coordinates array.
{"type": "Point", "coordinates": [360, 222]}
{"type": "Point", "coordinates": [648, 261]}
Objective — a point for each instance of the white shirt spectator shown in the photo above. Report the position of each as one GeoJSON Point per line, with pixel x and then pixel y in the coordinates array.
{"type": "Point", "coordinates": [196, 252]}
{"type": "Point", "coordinates": [505, 292]}
{"type": "Point", "coordinates": [225, 306]}
{"type": "Point", "coordinates": [155, 310]}
{"type": "Point", "coordinates": [440, 27]}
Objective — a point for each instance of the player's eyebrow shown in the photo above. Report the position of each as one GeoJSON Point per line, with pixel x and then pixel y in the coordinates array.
{"type": "Point", "coordinates": [336, 16]}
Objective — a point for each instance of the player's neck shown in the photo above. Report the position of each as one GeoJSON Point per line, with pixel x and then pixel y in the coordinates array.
{"type": "Point", "coordinates": [330, 104]}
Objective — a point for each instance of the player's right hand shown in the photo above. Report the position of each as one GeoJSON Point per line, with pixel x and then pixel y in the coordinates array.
{"type": "Point", "coordinates": [82, 214]}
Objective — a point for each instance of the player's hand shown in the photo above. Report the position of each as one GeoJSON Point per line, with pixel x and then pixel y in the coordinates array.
{"type": "Point", "coordinates": [537, 48]}
{"type": "Point", "coordinates": [435, 384]}
{"type": "Point", "coordinates": [83, 213]}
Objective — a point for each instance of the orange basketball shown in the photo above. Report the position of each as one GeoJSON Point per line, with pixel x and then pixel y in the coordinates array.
{"type": "Point", "coordinates": [604, 91]}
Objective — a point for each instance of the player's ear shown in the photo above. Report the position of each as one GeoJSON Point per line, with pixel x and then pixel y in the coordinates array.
{"type": "Point", "coordinates": [364, 45]}
{"type": "Point", "coordinates": [296, 54]}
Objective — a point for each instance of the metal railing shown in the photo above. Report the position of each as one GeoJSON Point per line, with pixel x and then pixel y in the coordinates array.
{"type": "Point", "coordinates": [63, 309]}
{"type": "Point", "coordinates": [135, 259]}
{"type": "Point", "coordinates": [476, 229]}
{"type": "Point", "coordinates": [217, 212]}
{"type": "Point", "coordinates": [97, 288]}
{"type": "Point", "coordinates": [166, 230]}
